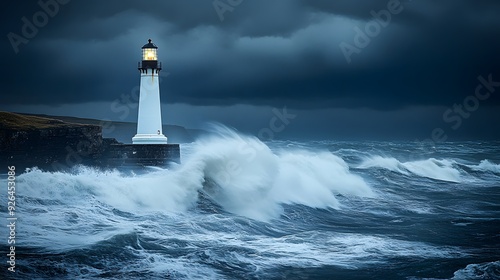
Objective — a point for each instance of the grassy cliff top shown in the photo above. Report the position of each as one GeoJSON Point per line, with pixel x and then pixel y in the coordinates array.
{"type": "Point", "coordinates": [23, 122]}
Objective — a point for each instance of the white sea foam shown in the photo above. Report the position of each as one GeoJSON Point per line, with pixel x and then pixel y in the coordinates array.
{"type": "Point", "coordinates": [147, 223]}
{"type": "Point", "coordinates": [315, 248]}
{"type": "Point", "coordinates": [388, 163]}
{"type": "Point", "coordinates": [490, 270]}
{"type": "Point", "coordinates": [438, 169]}
{"type": "Point", "coordinates": [239, 172]}
{"type": "Point", "coordinates": [486, 165]}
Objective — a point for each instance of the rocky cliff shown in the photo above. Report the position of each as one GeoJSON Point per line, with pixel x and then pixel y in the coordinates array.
{"type": "Point", "coordinates": [54, 144]}
{"type": "Point", "coordinates": [28, 140]}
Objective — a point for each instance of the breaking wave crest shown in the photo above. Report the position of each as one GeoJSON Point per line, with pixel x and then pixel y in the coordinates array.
{"type": "Point", "coordinates": [431, 168]}
{"type": "Point", "coordinates": [202, 219]}
{"type": "Point", "coordinates": [489, 270]}
{"type": "Point", "coordinates": [485, 166]}
{"type": "Point", "coordinates": [238, 172]}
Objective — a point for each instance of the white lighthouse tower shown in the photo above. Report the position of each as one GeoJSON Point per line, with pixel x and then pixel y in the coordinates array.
{"type": "Point", "coordinates": [149, 127]}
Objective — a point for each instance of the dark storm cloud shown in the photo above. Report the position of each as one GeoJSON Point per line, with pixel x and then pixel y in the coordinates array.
{"type": "Point", "coordinates": [262, 53]}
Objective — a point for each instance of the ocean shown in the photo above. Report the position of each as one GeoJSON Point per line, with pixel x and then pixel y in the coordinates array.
{"type": "Point", "coordinates": [240, 208]}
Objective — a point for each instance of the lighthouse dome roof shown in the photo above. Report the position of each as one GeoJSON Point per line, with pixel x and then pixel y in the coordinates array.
{"type": "Point", "coordinates": [149, 45]}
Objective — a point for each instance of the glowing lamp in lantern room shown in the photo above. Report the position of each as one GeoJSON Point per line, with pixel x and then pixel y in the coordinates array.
{"type": "Point", "coordinates": [149, 51]}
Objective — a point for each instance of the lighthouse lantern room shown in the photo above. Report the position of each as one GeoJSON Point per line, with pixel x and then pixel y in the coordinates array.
{"type": "Point", "coordinates": [149, 125]}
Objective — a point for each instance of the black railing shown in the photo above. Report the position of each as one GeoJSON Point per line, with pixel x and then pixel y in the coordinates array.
{"type": "Point", "coordinates": [149, 64]}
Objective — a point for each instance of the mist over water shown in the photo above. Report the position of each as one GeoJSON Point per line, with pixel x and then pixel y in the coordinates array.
{"type": "Point", "coordinates": [240, 208]}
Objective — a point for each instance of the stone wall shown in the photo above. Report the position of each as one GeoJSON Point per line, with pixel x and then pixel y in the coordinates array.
{"type": "Point", "coordinates": [68, 145]}
{"type": "Point", "coordinates": [142, 155]}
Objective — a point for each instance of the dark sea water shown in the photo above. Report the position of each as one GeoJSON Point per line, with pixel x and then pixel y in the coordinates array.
{"type": "Point", "coordinates": [237, 208]}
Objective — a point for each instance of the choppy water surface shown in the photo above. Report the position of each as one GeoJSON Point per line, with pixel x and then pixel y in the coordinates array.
{"type": "Point", "coordinates": [238, 208]}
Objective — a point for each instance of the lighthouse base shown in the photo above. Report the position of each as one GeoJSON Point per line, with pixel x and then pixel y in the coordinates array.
{"type": "Point", "coordinates": [143, 155]}
{"type": "Point", "coordinates": [148, 139]}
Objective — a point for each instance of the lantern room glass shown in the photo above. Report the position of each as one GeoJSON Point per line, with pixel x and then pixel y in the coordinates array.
{"type": "Point", "coordinates": [149, 54]}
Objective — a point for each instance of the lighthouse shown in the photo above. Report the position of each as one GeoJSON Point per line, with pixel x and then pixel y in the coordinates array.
{"type": "Point", "coordinates": [149, 125]}
{"type": "Point", "coordinates": [149, 146]}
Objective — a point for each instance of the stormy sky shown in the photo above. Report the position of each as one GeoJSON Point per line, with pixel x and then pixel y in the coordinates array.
{"type": "Point", "coordinates": [381, 69]}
